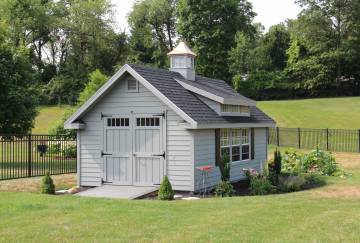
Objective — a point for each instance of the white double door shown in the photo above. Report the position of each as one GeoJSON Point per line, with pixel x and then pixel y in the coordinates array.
{"type": "Point", "coordinates": [134, 149]}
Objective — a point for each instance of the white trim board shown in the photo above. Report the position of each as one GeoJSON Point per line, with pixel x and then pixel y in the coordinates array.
{"type": "Point", "coordinates": [69, 124]}
{"type": "Point", "coordinates": [221, 100]}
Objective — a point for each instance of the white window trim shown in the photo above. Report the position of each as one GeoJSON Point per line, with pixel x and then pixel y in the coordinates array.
{"type": "Point", "coordinates": [230, 145]}
{"type": "Point", "coordinates": [136, 90]}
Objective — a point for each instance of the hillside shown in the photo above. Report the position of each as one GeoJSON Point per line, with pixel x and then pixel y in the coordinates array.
{"type": "Point", "coordinates": [310, 113]}
{"type": "Point", "coordinates": [315, 113]}
{"type": "Point", "coordinates": [47, 117]}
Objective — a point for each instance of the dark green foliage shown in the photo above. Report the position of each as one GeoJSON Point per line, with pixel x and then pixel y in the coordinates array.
{"type": "Point", "coordinates": [209, 27]}
{"type": "Point", "coordinates": [224, 189]}
{"type": "Point", "coordinates": [18, 96]}
{"type": "Point", "coordinates": [47, 184]}
{"type": "Point", "coordinates": [224, 167]}
{"type": "Point", "coordinates": [261, 185]}
{"type": "Point", "coordinates": [165, 191]}
{"type": "Point", "coordinates": [277, 161]}
{"type": "Point", "coordinates": [275, 167]}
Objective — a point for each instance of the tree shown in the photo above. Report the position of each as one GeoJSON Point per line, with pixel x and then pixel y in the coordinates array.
{"type": "Point", "coordinates": [210, 26]}
{"type": "Point", "coordinates": [17, 97]}
{"type": "Point", "coordinates": [152, 24]}
{"type": "Point", "coordinates": [96, 80]}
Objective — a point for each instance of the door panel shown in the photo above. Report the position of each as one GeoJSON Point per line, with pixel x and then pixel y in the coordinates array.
{"type": "Point", "coordinates": [149, 150]}
{"type": "Point", "coordinates": [134, 150]}
{"type": "Point", "coordinates": [118, 151]}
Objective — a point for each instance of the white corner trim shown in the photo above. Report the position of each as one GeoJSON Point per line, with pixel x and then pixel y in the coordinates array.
{"type": "Point", "coordinates": [221, 100]}
{"type": "Point", "coordinates": [126, 68]}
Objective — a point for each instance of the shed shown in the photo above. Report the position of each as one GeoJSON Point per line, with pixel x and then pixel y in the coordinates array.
{"type": "Point", "coordinates": [145, 123]}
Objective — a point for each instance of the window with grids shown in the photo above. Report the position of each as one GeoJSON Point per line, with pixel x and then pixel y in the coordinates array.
{"type": "Point", "coordinates": [132, 85]}
{"type": "Point", "coordinates": [117, 122]}
{"type": "Point", "coordinates": [148, 122]}
{"type": "Point", "coordinates": [245, 144]}
{"type": "Point", "coordinates": [235, 143]}
{"type": "Point", "coordinates": [230, 108]}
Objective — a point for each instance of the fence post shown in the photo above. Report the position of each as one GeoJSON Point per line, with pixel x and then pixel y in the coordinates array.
{"type": "Point", "coordinates": [29, 155]}
{"type": "Point", "coordinates": [327, 139]}
{"type": "Point", "coordinates": [299, 139]}
{"type": "Point", "coordinates": [277, 136]}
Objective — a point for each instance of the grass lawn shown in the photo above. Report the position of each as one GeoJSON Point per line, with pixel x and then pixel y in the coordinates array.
{"type": "Point", "coordinates": [327, 214]}
{"type": "Point", "coordinates": [315, 113]}
{"type": "Point", "coordinates": [47, 117]}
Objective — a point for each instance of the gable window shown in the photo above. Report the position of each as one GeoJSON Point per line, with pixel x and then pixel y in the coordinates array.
{"type": "Point", "coordinates": [230, 108]}
{"type": "Point", "coordinates": [235, 143]}
{"type": "Point", "coordinates": [132, 85]}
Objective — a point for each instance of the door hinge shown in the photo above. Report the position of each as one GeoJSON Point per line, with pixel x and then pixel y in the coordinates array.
{"type": "Point", "coordinates": [162, 155]}
{"type": "Point", "coordinates": [103, 115]}
{"type": "Point", "coordinates": [102, 154]}
{"type": "Point", "coordinates": [161, 114]}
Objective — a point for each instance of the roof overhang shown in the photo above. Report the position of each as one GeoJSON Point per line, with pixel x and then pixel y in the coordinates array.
{"type": "Point", "coordinates": [227, 125]}
{"type": "Point", "coordinates": [71, 122]}
{"type": "Point", "coordinates": [222, 100]}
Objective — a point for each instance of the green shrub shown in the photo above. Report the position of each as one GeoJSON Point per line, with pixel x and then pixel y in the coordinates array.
{"type": "Point", "coordinates": [260, 185]}
{"type": "Point", "coordinates": [224, 167]}
{"type": "Point", "coordinates": [292, 162]}
{"type": "Point", "coordinates": [165, 191]}
{"type": "Point", "coordinates": [47, 184]}
{"type": "Point", "coordinates": [321, 162]}
{"type": "Point", "coordinates": [291, 183]}
{"type": "Point", "coordinates": [275, 167]}
{"type": "Point", "coordinates": [224, 189]}
{"type": "Point", "coordinates": [69, 151]}
{"type": "Point", "coordinates": [313, 180]}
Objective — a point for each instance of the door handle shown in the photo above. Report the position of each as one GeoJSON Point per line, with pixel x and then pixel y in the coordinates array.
{"type": "Point", "coordinates": [102, 154]}
{"type": "Point", "coordinates": [162, 155]}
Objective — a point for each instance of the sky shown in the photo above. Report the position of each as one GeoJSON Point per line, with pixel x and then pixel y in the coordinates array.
{"type": "Point", "coordinates": [269, 12]}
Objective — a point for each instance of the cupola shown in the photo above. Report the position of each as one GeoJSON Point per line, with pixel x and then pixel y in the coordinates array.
{"type": "Point", "coordinates": [182, 61]}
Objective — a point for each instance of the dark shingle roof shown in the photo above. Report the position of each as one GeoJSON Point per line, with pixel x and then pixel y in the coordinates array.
{"type": "Point", "coordinates": [165, 82]}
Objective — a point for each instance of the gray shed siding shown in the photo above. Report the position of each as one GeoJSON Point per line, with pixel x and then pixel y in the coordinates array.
{"type": "Point", "coordinates": [119, 101]}
{"type": "Point", "coordinates": [204, 154]}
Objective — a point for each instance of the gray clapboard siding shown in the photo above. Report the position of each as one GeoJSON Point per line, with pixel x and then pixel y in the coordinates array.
{"type": "Point", "coordinates": [204, 152]}
{"type": "Point", "coordinates": [119, 101]}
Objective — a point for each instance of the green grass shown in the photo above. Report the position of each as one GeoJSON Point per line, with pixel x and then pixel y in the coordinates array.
{"type": "Point", "coordinates": [306, 216]}
{"type": "Point", "coordinates": [315, 113]}
{"type": "Point", "coordinates": [47, 117]}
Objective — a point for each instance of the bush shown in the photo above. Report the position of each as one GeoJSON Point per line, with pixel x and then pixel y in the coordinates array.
{"type": "Point", "coordinates": [224, 167]}
{"type": "Point", "coordinates": [224, 189]}
{"type": "Point", "coordinates": [291, 183]}
{"type": "Point", "coordinates": [47, 185]}
{"type": "Point", "coordinates": [292, 162]}
{"type": "Point", "coordinates": [275, 167]}
{"type": "Point", "coordinates": [69, 151]}
{"type": "Point", "coordinates": [165, 191]}
{"type": "Point", "coordinates": [260, 185]}
{"type": "Point", "coordinates": [321, 162]}
{"type": "Point", "coordinates": [313, 180]}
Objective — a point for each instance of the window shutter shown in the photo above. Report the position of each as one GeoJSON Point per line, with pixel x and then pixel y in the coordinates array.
{"type": "Point", "coordinates": [217, 147]}
{"type": "Point", "coordinates": [252, 143]}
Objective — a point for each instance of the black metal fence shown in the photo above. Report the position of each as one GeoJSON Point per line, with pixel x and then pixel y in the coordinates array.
{"type": "Point", "coordinates": [33, 155]}
{"type": "Point", "coordinates": [337, 140]}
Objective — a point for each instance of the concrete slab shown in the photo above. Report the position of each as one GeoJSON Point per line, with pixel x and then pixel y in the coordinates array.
{"type": "Point", "coordinates": [119, 192]}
